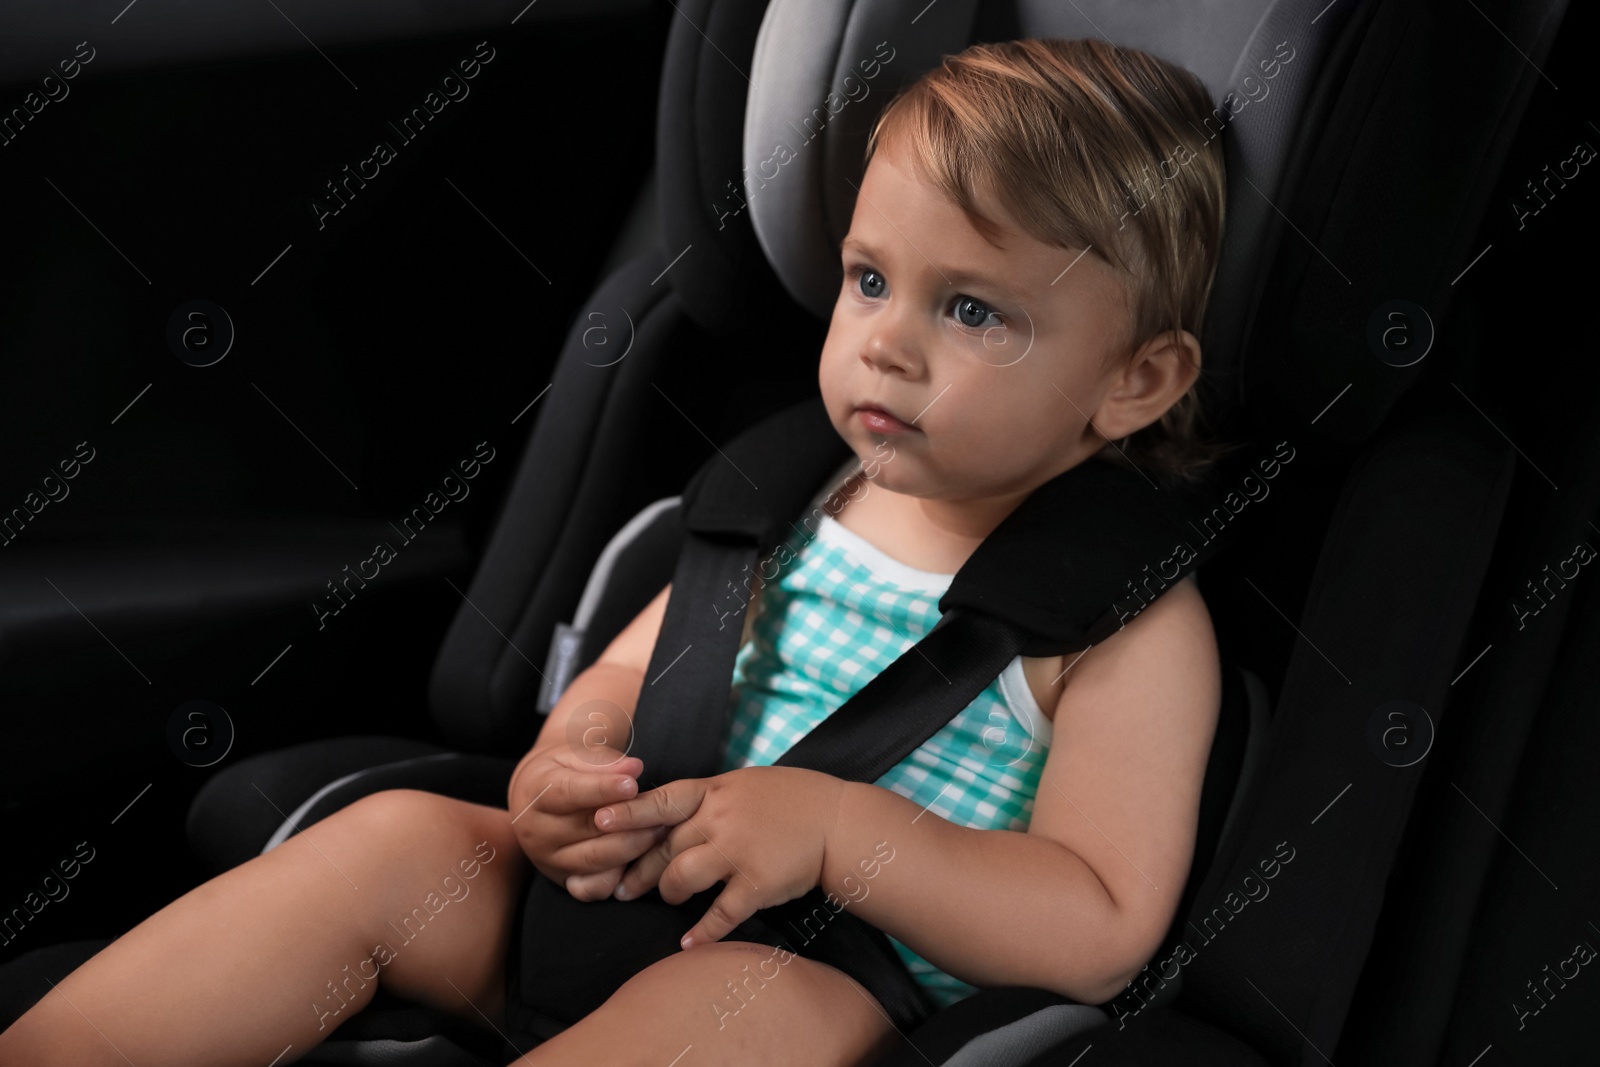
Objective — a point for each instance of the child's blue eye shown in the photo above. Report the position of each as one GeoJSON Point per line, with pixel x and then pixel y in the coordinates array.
{"type": "Point", "coordinates": [870, 281]}
{"type": "Point", "coordinates": [871, 284]}
{"type": "Point", "coordinates": [966, 305]}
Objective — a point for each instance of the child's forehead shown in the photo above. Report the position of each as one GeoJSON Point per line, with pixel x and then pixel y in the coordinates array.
{"type": "Point", "coordinates": [896, 200]}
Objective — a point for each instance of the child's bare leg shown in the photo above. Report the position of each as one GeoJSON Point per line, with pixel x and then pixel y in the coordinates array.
{"type": "Point", "coordinates": [729, 1002]}
{"type": "Point", "coordinates": [273, 954]}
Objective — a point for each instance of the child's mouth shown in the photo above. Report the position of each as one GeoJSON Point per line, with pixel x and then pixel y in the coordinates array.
{"type": "Point", "coordinates": [878, 420]}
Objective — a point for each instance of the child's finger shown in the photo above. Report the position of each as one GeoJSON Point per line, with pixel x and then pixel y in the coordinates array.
{"type": "Point", "coordinates": [599, 852]}
{"type": "Point", "coordinates": [645, 874]}
{"type": "Point", "coordinates": [593, 886]}
{"type": "Point", "coordinates": [732, 907]}
{"type": "Point", "coordinates": [582, 791]}
{"type": "Point", "coordinates": [616, 763]}
{"type": "Point", "coordinates": [694, 870]}
{"type": "Point", "coordinates": [665, 805]}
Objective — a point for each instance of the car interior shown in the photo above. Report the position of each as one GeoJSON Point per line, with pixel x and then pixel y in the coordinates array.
{"type": "Point", "coordinates": [550, 258]}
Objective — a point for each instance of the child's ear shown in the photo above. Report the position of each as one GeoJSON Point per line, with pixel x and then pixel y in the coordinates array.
{"type": "Point", "coordinates": [1148, 383]}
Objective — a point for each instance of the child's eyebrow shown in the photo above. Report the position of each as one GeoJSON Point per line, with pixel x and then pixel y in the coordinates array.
{"type": "Point", "coordinates": [953, 275]}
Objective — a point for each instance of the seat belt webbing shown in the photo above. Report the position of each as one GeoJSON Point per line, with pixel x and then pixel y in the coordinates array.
{"type": "Point", "coordinates": [682, 706]}
{"type": "Point", "coordinates": [909, 700]}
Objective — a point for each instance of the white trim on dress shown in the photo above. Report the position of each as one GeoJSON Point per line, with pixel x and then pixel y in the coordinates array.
{"type": "Point", "coordinates": [1013, 681]}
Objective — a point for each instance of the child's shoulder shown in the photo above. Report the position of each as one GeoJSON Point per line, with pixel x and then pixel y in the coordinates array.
{"type": "Point", "coordinates": [1172, 636]}
{"type": "Point", "coordinates": [1183, 618]}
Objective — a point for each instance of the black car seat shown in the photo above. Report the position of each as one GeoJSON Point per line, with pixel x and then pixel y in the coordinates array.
{"type": "Point", "coordinates": [664, 360]}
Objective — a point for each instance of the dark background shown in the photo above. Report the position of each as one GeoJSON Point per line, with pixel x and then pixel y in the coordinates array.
{"type": "Point", "coordinates": [379, 351]}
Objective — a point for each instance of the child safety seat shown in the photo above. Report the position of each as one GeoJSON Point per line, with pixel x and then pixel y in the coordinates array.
{"type": "Point", "coordinates": [715, 325]}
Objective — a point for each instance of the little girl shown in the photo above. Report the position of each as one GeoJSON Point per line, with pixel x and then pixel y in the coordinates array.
{"type": "Point", "coordinates": [1019, 296]}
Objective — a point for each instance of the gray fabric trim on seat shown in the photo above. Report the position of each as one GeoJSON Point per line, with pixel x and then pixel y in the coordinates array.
{"type": "Point", "coordinates": [287, 829]}
{"type": "Point", "coordinates": [600, 577]}
{"type": "Point", "coordinates": [804, 53]}
{"type": "Point", "coordinates": [1020, 1041]}
{"type": "Point", "coordinates": [429, 1052]}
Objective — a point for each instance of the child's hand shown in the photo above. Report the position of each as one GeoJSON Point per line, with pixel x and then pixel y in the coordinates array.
{"type": "Point", "coordinates": [763, 830]}
{"type": "Point", "coordinates": [552, 802]}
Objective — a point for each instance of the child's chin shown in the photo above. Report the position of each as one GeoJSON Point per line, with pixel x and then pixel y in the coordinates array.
{"type": "Point", "coordinates": [887, 469]}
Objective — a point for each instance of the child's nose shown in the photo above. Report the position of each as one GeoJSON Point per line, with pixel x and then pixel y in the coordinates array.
{"type": "Point", "coordinates": [889, 349]}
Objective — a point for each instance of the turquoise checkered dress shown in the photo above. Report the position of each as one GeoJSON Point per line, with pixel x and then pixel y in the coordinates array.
{"type": "Point", "coordinates": [837, 614]}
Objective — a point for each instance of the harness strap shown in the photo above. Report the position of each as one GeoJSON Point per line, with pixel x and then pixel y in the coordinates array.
{"type": "Point", "coordinates": [910, 700]}
{"type": "Point", "coordinates": [683, 704]}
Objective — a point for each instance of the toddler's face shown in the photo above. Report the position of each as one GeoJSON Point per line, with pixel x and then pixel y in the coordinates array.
{"type": "Point", "coordinates": [987, 358]}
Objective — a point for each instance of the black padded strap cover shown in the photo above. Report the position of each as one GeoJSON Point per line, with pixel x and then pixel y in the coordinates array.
{"type": "Point", "coordinates": [1069, 564]}
{"type": "Point", "coordinates": [757, 483]}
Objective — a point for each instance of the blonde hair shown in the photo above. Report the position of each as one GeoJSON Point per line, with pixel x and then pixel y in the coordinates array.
{"type": "Point", "coordinates": [1086, 145]}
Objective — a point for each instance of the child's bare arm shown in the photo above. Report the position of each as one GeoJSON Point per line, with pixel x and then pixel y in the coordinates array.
{"type": "Point", "coordinates": [577, 762]}
{"type": "Point", "coordinates": [1079, 902]}
{"type": "Point", "coordinates": [615, 677]}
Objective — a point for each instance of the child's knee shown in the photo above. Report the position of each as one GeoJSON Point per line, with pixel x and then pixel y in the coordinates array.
{"type": "Point", "coordinates": [393, 825]}
{"type": "Point", "coordinates": [727, 973]}
{"type": "Point", "coordinates": [755, 995]}
{"type": "Point", "coordinates": [399, 808]}
{"type": "Point", "coordinates": [412, 815]}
